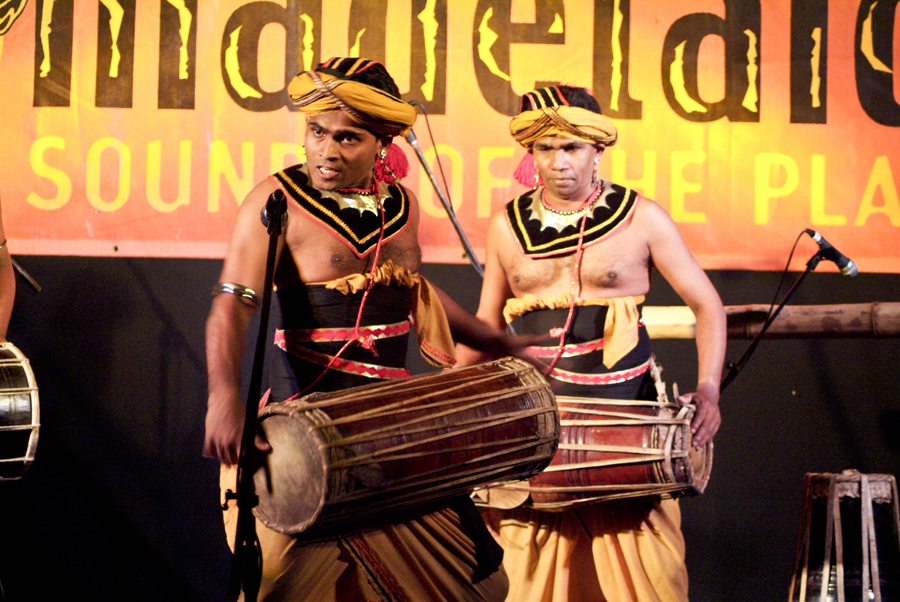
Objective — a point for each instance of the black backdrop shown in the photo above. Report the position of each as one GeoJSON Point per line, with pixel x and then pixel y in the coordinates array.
{"type": "Point", "coordinates": [119, 503]}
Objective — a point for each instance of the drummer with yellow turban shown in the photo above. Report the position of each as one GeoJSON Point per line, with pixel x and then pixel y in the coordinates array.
{"type": "Point", "coordinates": [348, 291]}
{"type": "Point", "coordinates": [572, 257]}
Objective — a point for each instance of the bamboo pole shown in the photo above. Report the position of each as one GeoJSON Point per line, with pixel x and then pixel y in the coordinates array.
{"type": "Point", "coordinates": [850, 320]}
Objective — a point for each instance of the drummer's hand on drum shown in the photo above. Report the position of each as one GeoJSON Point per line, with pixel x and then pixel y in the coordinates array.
{"type": "Point", "coordinates": [224, 430]}
{"type": "Point", "coordinates": [707, 419]}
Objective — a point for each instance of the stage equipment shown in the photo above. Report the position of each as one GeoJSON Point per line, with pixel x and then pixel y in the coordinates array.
{"type": "Point", "coordinates": [351, 459]}
{"type": "Point", "coordinates": [246, 564]}
{"type": "Point", "coordinates": [470, 253]}
{"type": "Point", "coordinates": [848, 548]}
{"type": "Point", "coordinates": [20, 415]}
{"type": "Point", "coordinates": [827, 252]}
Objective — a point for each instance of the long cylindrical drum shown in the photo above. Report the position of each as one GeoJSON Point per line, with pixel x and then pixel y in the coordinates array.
{"type": "Point", "coordinates": [19, 413]}
{"type": "Point", "coordinates": [613, 448]}
{"type": "Point", "coordinates": [350, 458]}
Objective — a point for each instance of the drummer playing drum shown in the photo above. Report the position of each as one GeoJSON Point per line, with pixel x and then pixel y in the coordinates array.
{"type": "Point", "coordinates": [347, 283]}
{"type": "Point", "coordinates": [573, 257]}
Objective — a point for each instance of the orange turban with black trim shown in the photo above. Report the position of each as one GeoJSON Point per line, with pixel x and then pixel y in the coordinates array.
{"type": "Point", "coordinates": [355, 86]}
{"type": "Point", "coordinates": [546, 113]}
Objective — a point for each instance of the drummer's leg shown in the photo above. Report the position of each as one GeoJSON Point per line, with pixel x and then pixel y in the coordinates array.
{"type": "Point", "coordinates": [638, 550]}
{"type": "Point", "coordinates": [547, 556]}
{"type": "Point", "coordinates": [311, 572]}
{"type": "Point", "coordinates": [428, 558]}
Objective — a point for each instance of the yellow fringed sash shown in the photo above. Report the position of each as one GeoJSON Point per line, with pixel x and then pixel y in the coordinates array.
{"type": "Point", "coordinates": [620, 330]}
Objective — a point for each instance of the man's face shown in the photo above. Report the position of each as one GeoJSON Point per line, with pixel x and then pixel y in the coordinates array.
{"type": "Point", "coordinates": [566, 166]}
{"type": "Point", "coordinates": [339, 153]}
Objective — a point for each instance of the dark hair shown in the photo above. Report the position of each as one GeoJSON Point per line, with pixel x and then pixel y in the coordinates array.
{"type": "Point", "coordinates": [577, 96]}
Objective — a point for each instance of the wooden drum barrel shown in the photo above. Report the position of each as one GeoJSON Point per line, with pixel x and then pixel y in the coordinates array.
{"type": "Point", "coordinates": [349, 458]}
{"type": "Point", "coordinates": [612, 448]}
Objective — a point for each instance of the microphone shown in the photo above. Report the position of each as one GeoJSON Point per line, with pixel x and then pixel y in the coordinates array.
{"type": "Point", "coordinates": [848, 268]}
{"type": "Point", "coordinates": [411, 138]}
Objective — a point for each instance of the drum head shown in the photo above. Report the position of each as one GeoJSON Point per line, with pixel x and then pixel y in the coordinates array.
{"type": "Point", "coordinates": [291, 480]}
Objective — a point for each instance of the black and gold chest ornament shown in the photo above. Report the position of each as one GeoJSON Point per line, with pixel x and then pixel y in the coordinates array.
{"type": "Point", "coordinates": [543, 232]}
{"type": "Point", "coordinates": [351, 215]}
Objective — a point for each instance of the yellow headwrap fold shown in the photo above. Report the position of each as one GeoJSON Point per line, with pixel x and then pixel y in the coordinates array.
{"type": "Point", "coordinates": [330, 88]}
{"type": "Point", "coordinates": [573, 123]}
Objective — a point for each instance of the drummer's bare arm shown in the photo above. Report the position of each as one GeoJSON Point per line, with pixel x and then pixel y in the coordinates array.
{"type": "Point", "coordinates": [676, 264]}
{"type": "Point", "coordinates": [473, 333]}
{"type": "Point", "coordinates": [227, 325]}
{"type": "Point", "coordinates": [7, 284]}
{"type": "Point", "coordinates": [494, 292]}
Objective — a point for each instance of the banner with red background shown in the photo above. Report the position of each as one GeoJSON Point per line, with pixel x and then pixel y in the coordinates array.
{"type": "Point", "coordinates": [135, 128]}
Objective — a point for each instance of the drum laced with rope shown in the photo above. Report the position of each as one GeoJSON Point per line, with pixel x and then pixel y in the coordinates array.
{"type": "Point", "coordinates": [612, 449]}
{"type": "Point", "coordinates": [19, 413]}
{"type": "Point", "coordinates": [350, 459]}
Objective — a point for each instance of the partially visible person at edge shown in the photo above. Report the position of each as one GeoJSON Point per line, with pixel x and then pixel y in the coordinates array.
{"type": "Point", "coordinates": [580, 246]}
{"type": "Point", "coordinates": [347, 261]}
{"type": "Point", "coordinates": [7, 284]}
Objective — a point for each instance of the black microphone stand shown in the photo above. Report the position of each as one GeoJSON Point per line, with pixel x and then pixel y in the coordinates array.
{"type": "Point", "coordinates": [470, 253]}
{"type": "Point", "coordinates": [734, 368]}
{"type": "Point", "coordinates": [246, 564]}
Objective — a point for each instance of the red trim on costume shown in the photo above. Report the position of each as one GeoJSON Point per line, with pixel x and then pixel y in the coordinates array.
{"type": "Point", "coordinates": [380, 577]}
{"type": "Point", "coordinates": [341, 364]}
{"type": "Point", "coordinates": [325, 335]}
{"type": "Point", "coordinates": [572, 349]}
{"type": "Point", "coordinates": [607, 378]}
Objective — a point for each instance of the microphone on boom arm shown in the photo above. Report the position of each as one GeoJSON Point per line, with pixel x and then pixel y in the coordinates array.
{"type": "Point", "coordinates": [846, 265]}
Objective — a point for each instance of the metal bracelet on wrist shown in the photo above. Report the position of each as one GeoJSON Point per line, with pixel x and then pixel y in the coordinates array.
{"type": "Point", "coordinates": [247, 296]}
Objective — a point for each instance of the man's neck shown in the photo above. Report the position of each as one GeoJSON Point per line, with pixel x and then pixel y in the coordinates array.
{"type": "Point", "coordinates": [569, 202]}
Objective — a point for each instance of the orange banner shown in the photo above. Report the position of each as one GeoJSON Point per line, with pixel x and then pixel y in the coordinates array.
{"type": "Point", "coordinates": [135, 128]}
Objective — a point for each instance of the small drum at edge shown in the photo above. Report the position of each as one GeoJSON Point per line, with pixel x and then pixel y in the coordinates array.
{"type": "Point", "coordinates": [19, 413]}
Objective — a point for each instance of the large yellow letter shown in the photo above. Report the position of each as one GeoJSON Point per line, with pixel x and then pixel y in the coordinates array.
{"type": "Point", "coordinates": [220, 164]}
{"type": "Point", "coordinates": [817, 196]}
{"type": "Point", "coordinates": [763, 187]}
{"type": "Point", "coordinates": [95, 174]}
{"type": "Point", "coordinates": [57, 176]}
{"type": "Point", "coordinates": [646, 184]}
{"type": "Point", "coordinates": [487, 182]}
{"type": "Point", "coordinates": [882, 177]}
{"type": "Point", "coordinates": [280, 151]}
{"type": "Point", "coordinates": [426, 191]}
{"type": "Point", "coordinates": [154, 176]}
{"type": "Point", "coordinates": [681, 187]}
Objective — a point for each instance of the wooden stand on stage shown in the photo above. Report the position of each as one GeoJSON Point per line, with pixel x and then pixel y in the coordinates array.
{"type": "Point", "coordinates": [849, 543]}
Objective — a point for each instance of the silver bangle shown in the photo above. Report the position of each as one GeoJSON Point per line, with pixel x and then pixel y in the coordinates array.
{"type": "Point", "coordinates": [2, 244]}
{"type": "Point", "coordinates": [247, 296]}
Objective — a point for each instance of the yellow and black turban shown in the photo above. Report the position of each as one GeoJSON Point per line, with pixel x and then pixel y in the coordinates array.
{"type": "Point", "coordinates": [346, 84]}
{"type": "Point", "coordinates": [546, 113]}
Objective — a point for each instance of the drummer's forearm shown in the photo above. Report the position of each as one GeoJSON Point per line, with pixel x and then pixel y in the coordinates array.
{"type": "Point", "coordinates": [468, 329]}
{"type": "Point", "coordinates": [226, 335]}
{"type": "Point", "coordinates": [711, 340]}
